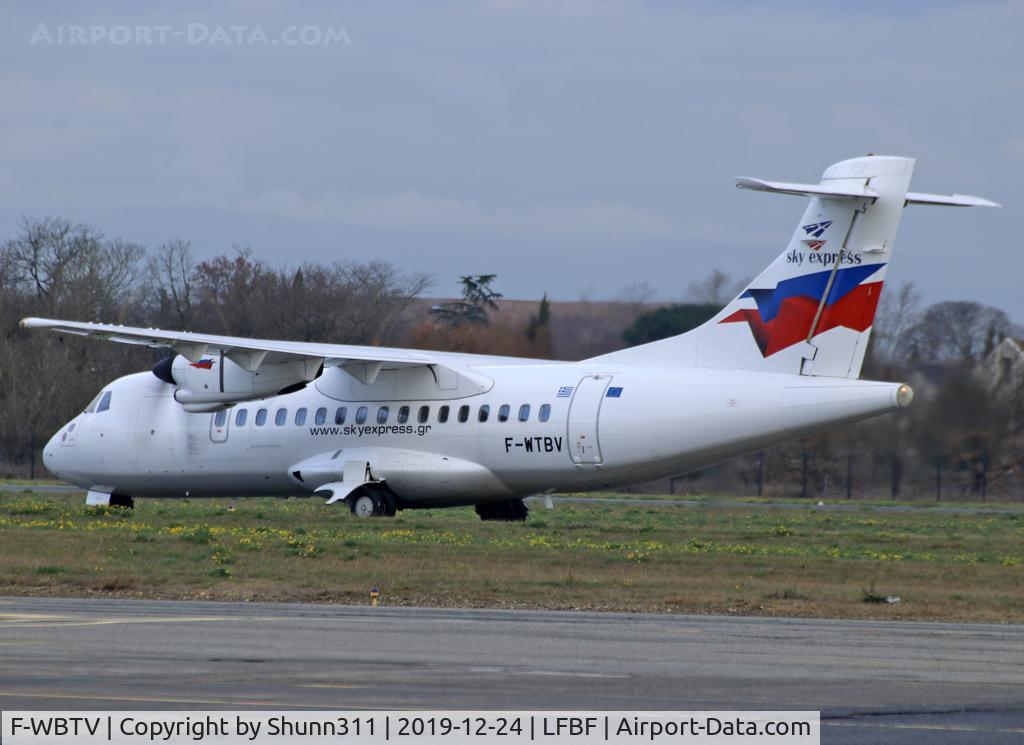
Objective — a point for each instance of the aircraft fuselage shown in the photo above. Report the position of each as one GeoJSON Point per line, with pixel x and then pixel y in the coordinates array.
{"type": "Point", "coordinates": [549, 426]}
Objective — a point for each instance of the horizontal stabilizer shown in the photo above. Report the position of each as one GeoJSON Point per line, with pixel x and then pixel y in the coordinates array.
{"type": "Point", "coordinates": [846, 190]}
{"type": "Point", "coordinates": [950, 200]}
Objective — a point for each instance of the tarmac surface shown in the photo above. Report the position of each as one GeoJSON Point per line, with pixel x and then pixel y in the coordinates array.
{"type": "Point", "coordinates": [874, 682]}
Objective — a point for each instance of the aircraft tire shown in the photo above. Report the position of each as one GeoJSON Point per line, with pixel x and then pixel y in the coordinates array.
{"type": "Point", "coordinates": [367, 504]}
{"type": "Point", "coordinates": [390, 504]}
{"type": "Point", "coordinates": [373, 503]}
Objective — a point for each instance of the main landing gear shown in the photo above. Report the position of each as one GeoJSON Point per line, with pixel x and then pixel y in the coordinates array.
{"type": "Point", "coordinates": [369, 502]}
{"type": "Point", "coordinates": [512, 510]}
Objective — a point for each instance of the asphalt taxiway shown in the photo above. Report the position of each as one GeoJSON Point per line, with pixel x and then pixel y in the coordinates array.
{"type": "Point", "coordinates": [881, 682]}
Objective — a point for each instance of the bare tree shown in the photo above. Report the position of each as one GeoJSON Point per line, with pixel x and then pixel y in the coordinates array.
{"type": "Point", "coordinates": [172, 276]}
{"type": "Point", "coordinates": [637, 293]}
{"type": "Point", "coordinates": [718, 288]}
{"type": "Point", "coordinates": [52, 267]}
{"type": "Point", "coordinates": [898, 314]}
{"type": "Point", "coordinates": [959, 329]}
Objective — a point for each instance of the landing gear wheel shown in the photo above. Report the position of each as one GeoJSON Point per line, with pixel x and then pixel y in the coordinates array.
{"type": "Point", "coordinates": [374, 502]}
{"type": "Point", "coordinates": [512, 510]}
{"type": "Point", "coordinates": [368, 504]}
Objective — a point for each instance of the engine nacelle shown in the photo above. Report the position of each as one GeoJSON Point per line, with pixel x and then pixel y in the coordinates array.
{"type": "Point", "coordinates": [216, 380]}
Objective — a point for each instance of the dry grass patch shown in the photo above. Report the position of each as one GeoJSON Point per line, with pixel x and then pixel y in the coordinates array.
{"type": "Point", "coordinates": [604, 557]}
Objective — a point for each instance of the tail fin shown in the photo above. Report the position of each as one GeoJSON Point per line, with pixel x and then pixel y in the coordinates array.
{"type": "Point", "coordinates": [810, 312]}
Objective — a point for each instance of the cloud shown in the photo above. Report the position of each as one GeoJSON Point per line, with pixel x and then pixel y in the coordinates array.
{"type": "Point", "coordinates": [412, 211]}
{"type": "Point", "coordinates": [598, 137]}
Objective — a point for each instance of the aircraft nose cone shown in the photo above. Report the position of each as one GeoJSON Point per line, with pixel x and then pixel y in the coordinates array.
{"type": "Point", "coordinates": [50, 455]}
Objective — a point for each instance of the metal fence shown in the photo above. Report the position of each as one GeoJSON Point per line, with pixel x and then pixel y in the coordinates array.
{"type": "Point", "coordinates": [23, 462]}
{"type": "Point", "coordinates": [868, 476]}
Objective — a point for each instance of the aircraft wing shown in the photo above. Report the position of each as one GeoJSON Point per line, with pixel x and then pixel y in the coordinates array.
{"type": "Point", "coordinates": [362, 362]}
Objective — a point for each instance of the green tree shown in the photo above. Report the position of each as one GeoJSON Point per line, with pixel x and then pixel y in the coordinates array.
{"type": "Point", "coordinates": [540, 321]}
{"type": "Point", "coordinates": [538, 331]}
{"type": "Point", "coordinates": [478, 297]}
{"type": "Point", "coordinates": [670, 320]}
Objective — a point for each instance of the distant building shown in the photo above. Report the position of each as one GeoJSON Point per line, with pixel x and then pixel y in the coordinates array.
{"type": "Point", "coordinates": [1002, 370]}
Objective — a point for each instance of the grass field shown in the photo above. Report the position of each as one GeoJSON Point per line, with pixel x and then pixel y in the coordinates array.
{"type": "Point", "coordinates": [733, 559]}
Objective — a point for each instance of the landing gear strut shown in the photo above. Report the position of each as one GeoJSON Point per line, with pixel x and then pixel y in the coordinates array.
{"type": "Point", "coordinates": [513, 510]}
{"type": "Point", "coordinates": [373, 503]}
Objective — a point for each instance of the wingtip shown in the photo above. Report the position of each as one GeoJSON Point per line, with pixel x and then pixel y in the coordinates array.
{"type": "Point", "coordinates": [974, 201]}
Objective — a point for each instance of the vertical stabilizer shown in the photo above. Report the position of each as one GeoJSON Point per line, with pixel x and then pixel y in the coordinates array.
{"type": "Point", "coordinates": [810, 311]}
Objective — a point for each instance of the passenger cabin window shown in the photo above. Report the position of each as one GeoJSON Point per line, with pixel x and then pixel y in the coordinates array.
{"type": "Point", "coordinates": [442, 415]}
{"type": "Point", "coordinates": [463, 414]}
{"type": "Point", "coordinates": [361, 414]}
{"type": "Point", "coordinates": [300, 417]}
{"type": "Point", "coordinates": [104, 403]}
{"type": "Point", "coordinates": [403, 415]}
{"type": "Point", "coordinates": [503, 412]}
{"type": "Point", "coordinates": [240, 416]}
{"type": "Point", "coordinates": [261, 417]}
{"type": "Point", "coordinates": [340, 414]}
{"type": "Point", "coordinates": [485, 411]}
{"type": "Point", "coordinates": [321, 415]}
{"type": "Point", "coordinates": [424, 414]}
{"type": "Point", "coordinates": [382, 415]}
{"type": "Point", "coordinates": [281, 417]}
{"type": "Point", "coordinates": [524, 413]}
{"type": "Point", "coordinates": [221, 418]}
{"type": "Point", "coordinates": [545, 412]}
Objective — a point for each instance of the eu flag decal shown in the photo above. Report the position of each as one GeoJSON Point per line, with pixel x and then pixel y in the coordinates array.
{"type": "Point", "coordinates": [613, 392]}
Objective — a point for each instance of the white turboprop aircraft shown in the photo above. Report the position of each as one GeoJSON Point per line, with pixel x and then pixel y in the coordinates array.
{"type": "Point", "coordinates": [386, 429]}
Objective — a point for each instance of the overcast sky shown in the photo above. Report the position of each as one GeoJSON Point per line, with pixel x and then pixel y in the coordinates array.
{"type": "Point", "coordinates": [569, 147]}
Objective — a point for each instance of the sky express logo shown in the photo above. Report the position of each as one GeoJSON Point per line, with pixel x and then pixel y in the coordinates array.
{"type": "Point", "coordinates": [822, 258]}
{"type": "Point", "coordinates": [817, 229]}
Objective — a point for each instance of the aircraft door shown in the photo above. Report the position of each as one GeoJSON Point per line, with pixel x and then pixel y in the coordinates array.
{"type": "Point", "coordinates": [219, 426]}
{"type": "Point", "coordinates": [584, 410]}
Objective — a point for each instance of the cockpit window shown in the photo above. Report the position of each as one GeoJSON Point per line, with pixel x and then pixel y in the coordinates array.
{"type": "Point", "coordinates": [104, 403]}
{"type": "Point", "coordinates": [92, 404]}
